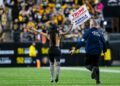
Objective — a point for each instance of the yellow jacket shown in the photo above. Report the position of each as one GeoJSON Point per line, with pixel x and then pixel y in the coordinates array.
{"type": "Point", "coordinates": [32, 51]}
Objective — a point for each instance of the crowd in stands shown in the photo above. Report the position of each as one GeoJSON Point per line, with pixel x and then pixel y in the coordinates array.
{"type": "Point", "coordinates": [18, 16]}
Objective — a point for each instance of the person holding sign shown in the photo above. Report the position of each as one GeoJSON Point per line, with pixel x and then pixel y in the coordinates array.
{"type": "Point", "coordinates": [94, 45]}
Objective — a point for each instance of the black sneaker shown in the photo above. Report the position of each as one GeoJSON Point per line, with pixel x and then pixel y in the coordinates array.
{"type": "Point", "coordinates": [56, 80]}
{"type": "Point", "coordinates": [52, 81]}
{"type": "Point", "coordinates": [98, 82]}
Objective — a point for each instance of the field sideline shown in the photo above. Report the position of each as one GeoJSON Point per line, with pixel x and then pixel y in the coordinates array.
{"type": "Point", "coordinates": [69, 76]}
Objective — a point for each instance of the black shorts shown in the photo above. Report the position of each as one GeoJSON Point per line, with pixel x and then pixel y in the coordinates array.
{"type": "Point", "coordinates": [92, 60]}
{"type": "Point", "coordinates": [54, 54]}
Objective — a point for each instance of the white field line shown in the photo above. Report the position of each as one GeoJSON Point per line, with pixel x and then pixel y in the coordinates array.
{"type": "Point", "coordinates": [84, 69]}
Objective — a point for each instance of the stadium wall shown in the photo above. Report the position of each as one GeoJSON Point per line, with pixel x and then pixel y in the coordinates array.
{"type": "Point", "coordinates": [20, 54]}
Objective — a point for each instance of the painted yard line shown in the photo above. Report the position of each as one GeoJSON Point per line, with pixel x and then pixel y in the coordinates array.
{"type": "Point", "coordinates": [84, 69]}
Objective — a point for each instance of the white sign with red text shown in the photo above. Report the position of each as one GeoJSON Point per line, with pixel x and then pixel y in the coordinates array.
{"type": "Point", "coordinates": [80, 16]}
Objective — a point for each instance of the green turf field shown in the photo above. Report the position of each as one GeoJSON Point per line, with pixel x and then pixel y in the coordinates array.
{"type": "Point", "coordinates": [68, 77]}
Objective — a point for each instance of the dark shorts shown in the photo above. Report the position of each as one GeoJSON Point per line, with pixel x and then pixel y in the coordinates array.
{"type": "Point", "coordinates": [92, 60]}
{"type": "Point", "coordinates": [54, 54]}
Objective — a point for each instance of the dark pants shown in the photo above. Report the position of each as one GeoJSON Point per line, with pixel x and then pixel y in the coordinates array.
{"type": "Point", "coordinates": [92, 60]}
{"type": "Point", "coordinates": [92, 64]}
{"type": "Point", "coordinates": [54, 54]}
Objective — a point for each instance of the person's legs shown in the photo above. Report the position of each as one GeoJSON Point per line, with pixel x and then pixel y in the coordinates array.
{"type": "Point", "coordinates": [57, 70]}
{"type": "Point", "coordinates": [95, 72]}
{"type": "Point", "coordinates": [92, 64]}
{"type": "Point", "coordinates": [97, 75]}
{"type": "Point", "coordinates": [88, 62]}
{"type": "Point", "coordinates": [51, 61]}
{"type": "Point", "coordinates": [58, 55]}
{"type": "Point", "coordinates": [52, 71]}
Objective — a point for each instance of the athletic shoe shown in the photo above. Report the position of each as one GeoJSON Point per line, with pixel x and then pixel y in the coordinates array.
{"type": "Point", "coordinates": [52, 81]}
{"type": "Point", "coordinates": [56, 80]}
{"type": "Point", "coordinates": [98, 82]}
{"type": "Point", "coordinates": [93, 74]}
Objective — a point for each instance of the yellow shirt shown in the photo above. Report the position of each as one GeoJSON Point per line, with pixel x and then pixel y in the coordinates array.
{"type": "Point", "coordinates": [31, 24]}
{"type": "Point", "coordinates": [32, 51]}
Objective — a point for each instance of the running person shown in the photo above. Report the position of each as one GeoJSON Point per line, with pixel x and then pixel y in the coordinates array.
{"type": "Point", "coordinates": [54, 37]}
{"type": "Point", "coordinates": [94, 45]}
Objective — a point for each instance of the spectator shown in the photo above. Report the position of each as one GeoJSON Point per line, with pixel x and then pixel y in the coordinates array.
{"type": "Point", "coordinates": [25, 36]}
{"type": "Point", "coordinates": [15, 6]}
{"type": "Point", "coordinates": [6, 36]}
{"type": "Point", "coordinates": [3, 19]}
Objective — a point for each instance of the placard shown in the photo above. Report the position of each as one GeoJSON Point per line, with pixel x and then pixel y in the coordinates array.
{"type": "Point", "coordinates": [80, 16]}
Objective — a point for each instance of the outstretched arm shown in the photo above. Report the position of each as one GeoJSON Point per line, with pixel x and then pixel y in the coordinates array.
{"type": "Point", "coordinates": [80, 43]}
{"type": "Point", "coordinates": [39, 31]}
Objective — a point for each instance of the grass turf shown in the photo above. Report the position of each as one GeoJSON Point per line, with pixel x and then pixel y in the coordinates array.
{"type": "Point", "coordinates": [41, 77]}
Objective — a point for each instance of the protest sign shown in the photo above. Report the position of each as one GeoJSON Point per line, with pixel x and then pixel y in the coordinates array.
{"type": "Point", "coordinates": [80, 16]}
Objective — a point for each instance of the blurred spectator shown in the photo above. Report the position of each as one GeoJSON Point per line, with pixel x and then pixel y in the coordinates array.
{"type": "Point", "coordinates": [25, 36]}
{"type": "Point", "coordinates": [67, 10]}
{"type": "Point", "coordinates": [6, 36]}
{"type": "Point", "coordinates": [45, 17]}
{"type": "Point", "coordinates": [60, 18]}
{"type": "Point", "coordinates": [23, 14]}
{"type": "Point", "coordinates": [31, 24]}
{"type": "Point", "coordinates": [3, 19]}
{"type": "Point", "coordinates": [15, 6]}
